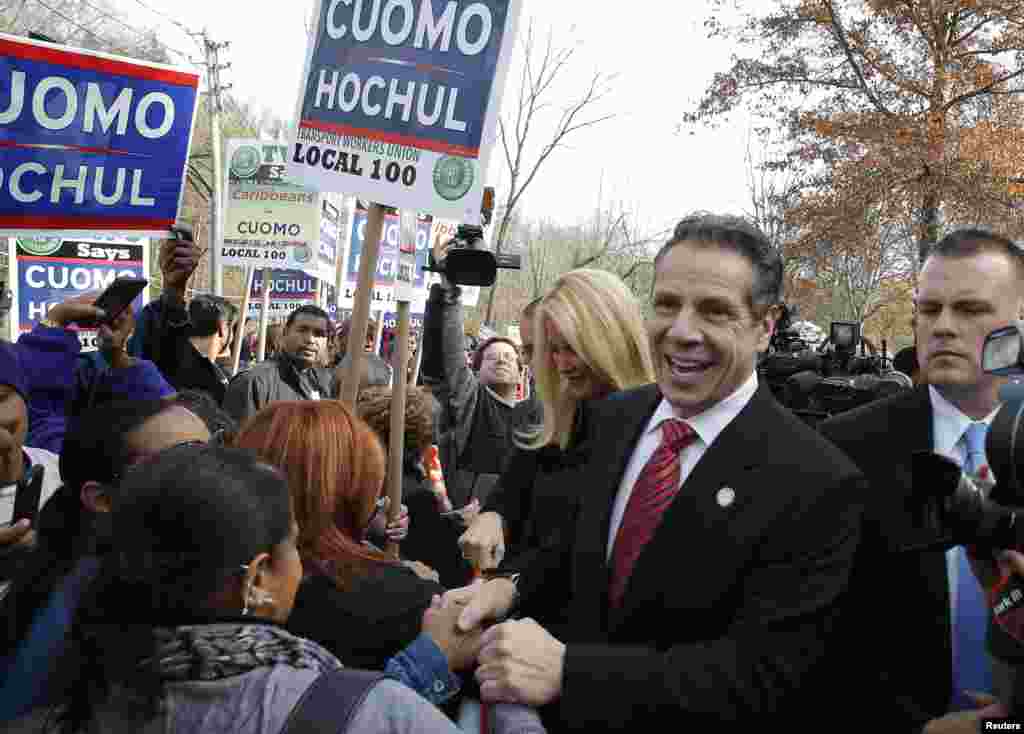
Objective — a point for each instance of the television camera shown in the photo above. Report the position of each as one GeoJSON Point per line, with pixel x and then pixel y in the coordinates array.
{"type": "Point", "coordinates": [817, 383]}
{"type": "Point", "coordinates": [466, 260]}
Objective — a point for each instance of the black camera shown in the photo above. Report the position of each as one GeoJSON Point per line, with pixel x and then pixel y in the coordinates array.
{"type": "Point", "coordinates": [467, 262]}
{"type": "Point", "coordinates": [834, 378]}
{"type": "Point", "coordinates": [957, 509]}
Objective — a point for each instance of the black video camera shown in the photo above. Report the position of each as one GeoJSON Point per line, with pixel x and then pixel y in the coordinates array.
{"type": "Point", "coordinates": [958, 509]}
{"type": "Point", "coordinates": [818, 384]}
{"type": "Point", "coordinates": [467, 262]}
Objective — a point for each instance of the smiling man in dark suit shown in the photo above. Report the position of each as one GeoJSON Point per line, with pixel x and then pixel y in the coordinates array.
{"type": "Point", "coordinates": [715, 535]}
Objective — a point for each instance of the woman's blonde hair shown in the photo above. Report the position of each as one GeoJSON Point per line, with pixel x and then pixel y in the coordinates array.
{"type": "Point", "coordinates": [600, 319]}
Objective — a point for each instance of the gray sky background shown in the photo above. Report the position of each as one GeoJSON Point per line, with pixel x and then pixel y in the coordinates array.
{"type": "Point", "coordinates": [659, 56]}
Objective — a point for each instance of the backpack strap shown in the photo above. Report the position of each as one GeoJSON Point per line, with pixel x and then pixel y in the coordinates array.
{"type": "Point", "coordinates": [329, 703]}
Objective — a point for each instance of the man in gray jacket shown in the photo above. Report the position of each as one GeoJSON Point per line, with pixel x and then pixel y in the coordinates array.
{"type": "Point", "coordinates": [293, 374]}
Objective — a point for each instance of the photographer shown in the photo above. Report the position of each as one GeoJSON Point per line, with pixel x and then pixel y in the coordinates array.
{"type": "Point", "coordinates": [970, 285]}
{"type": "Point", "coordinates": [476, 407]}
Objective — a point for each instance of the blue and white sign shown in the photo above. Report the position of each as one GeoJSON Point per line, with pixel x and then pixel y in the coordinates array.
{"type": "Point", "coordinates": [399, 101]}
{"type": "Point", "coordinates": [90, 142]}
{"type": "Point", "coordinates": [51, 270]}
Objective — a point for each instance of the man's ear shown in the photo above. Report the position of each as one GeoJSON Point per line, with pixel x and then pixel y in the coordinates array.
{"type": "Point", "coordinates": [767, 322]}
{"type": "Point", "coordinates": [96, 498]}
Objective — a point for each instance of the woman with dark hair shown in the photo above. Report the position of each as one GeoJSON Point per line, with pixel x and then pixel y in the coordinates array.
{"type": "Point", "coordinates": [362, 605]}
{"type": "Point", "coordinates": [72, 532]}
{"type": "Point", "coordinates": [204, 547]}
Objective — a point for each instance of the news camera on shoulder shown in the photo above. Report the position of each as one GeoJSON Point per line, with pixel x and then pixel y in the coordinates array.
{"type": "Point", "coordinates": [818, 383]}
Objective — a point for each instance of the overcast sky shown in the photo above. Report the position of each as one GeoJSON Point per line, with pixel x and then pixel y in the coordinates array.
{"type": "Point", "coordinates": [658, 54]}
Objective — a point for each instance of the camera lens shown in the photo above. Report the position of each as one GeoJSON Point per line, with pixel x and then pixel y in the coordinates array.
{"type": "Point", "coordinates": [1001, 448]}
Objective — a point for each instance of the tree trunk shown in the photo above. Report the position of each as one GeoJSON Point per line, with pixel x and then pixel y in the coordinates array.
{"type": "Point", "coordinates": [929, 226]}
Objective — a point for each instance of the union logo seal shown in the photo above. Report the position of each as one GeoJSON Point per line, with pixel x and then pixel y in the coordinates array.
{"type": "Point", "coordinates": [245, 162]}
{"type": "Point", "coordinates": [40, 246]}
{"type": "Point", "coordinates": [453, 177]}
{"type": "Point", "coordinates": [303, 254]}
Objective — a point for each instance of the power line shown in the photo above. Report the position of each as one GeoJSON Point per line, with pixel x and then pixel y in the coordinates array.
{"type": "Point", "coordinates": [75, 23]}
{"type": "Point", "coordinates": [144, 35]}
{"type": "Point", "coordinates": [100, 38]}
{"type": "Point", "coordinates": [165, 17]}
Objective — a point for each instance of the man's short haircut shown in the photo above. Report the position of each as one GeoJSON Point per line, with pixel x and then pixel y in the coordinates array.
{"type": "Point", "coordinates": [973, 241]}
{"type": "Point", "coordinates": [308, 310]}
{"type": "Point", "coordinates": [743, 238]}
{"type": "Point", "coordinates": [206, 312]}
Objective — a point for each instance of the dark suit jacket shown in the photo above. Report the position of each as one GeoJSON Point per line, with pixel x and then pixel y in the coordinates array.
{"type": "Point", "coordinates": [729, 611]}
{"type": "Point", "coordinates": [902, 598]}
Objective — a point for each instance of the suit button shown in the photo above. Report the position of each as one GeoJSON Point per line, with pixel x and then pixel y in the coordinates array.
{"type": "Point", "coordinates": [438, 686]}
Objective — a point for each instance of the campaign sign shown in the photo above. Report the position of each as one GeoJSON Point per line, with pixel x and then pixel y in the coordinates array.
{"type": "Point", "coordinates": [268, 221]}
{"type": "Point", "coordinates": [286, 285]}
{"type": "Point", "coordinates": [329, 232]}
{"type": "Point", "coordinates": [388, 255]}
{"type": "Point", "coordinates": [399, 101]}
{"type": "Point", "coordinates": [90, 142]}
{"type": "Point", "coordinates": [52, 270]}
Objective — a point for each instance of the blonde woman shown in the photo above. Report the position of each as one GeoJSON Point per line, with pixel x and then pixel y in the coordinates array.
{"type": "Point", "coordinates": [590, 341]}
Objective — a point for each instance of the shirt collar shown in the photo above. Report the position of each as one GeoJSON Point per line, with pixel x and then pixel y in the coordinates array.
{"type": "Point", "coordinates": [949, 423]}
{"type": "Point", "coordinates": [510, 403]}
{"type": "Point", "coordinates": [709, 424]}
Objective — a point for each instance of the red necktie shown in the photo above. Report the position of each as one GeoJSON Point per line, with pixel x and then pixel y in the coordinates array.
{"type": "Point", "coordinates": [653, 492]}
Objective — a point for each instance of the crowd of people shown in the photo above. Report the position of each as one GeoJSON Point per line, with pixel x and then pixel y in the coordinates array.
{"type": "Point", "coordinates": [649, 537]}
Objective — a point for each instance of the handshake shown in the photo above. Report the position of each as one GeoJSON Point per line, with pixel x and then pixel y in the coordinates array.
{"type": "Point", "coordinates": [516, 661]}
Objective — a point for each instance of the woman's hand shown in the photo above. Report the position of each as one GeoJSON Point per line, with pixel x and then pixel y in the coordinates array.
{"type": "Point", "coordinates": [483, 544]}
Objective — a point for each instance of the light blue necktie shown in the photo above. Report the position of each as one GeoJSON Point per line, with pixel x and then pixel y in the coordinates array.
{"type": "Point", "coordinates": [972, 669]}
{"type": "Point", "coordinates": [974, 437]}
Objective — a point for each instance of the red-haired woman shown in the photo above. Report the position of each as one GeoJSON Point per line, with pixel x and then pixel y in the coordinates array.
{"type": "Point", "coordinates": [363, 606]}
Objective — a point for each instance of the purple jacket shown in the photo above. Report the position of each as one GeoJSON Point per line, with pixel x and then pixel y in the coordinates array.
{"type": "Point", "coordinates": [50, 360]}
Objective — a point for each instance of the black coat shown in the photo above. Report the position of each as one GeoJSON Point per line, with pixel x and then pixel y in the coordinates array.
{"type": "Point", "coordinates": [433, 539]}
{"type": "Point", "coordinates": [900, 600]}
{"type": "Point", "coordinates": [165, 341]}
{"type": "Point", "coordinates": [274, 380]}
{"type": "Point", "coordinates": [365, 625]}
{"type": "Point", "coordinates": [535, 496]}
{"type": "Point", "coordinates": [729, 611]}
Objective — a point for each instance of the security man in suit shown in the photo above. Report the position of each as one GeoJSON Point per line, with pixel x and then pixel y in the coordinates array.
{"type": "Point", "coordinates": [971, 284]}
{"type": "Point", "coordinates": [716, 533]}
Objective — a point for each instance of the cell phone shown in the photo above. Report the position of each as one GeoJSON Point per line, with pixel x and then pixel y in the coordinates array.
{"type": "Point", "coordinates": [26, 498]}
{"type": "Point", "coordinates": [116, 298]}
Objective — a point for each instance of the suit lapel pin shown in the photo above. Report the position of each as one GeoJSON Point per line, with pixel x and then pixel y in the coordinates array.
{"type": "Point", "coordinates": [726, 496]}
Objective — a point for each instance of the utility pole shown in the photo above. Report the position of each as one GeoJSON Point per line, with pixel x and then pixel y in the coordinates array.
{"type": "Point", "coordinates": [211, 50]}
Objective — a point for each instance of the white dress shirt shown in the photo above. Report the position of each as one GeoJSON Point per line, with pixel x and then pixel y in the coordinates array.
{"type": "Point", "coordinates": [948, 427]}
{"type": "Point", "coordinates": [706, 425]}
